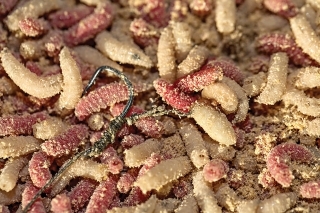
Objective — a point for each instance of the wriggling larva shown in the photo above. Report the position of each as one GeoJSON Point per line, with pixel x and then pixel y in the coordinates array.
{"type": "Point", "coordinates": [109, 135]}
{"type": "Point", "coordinates": [38, 86]}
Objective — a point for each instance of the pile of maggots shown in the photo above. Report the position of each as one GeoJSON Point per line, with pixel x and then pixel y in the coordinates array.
{"type": "Point", "coordinates": [217, 110]}
{"type": "Point", "coordinates": [109, 135]}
